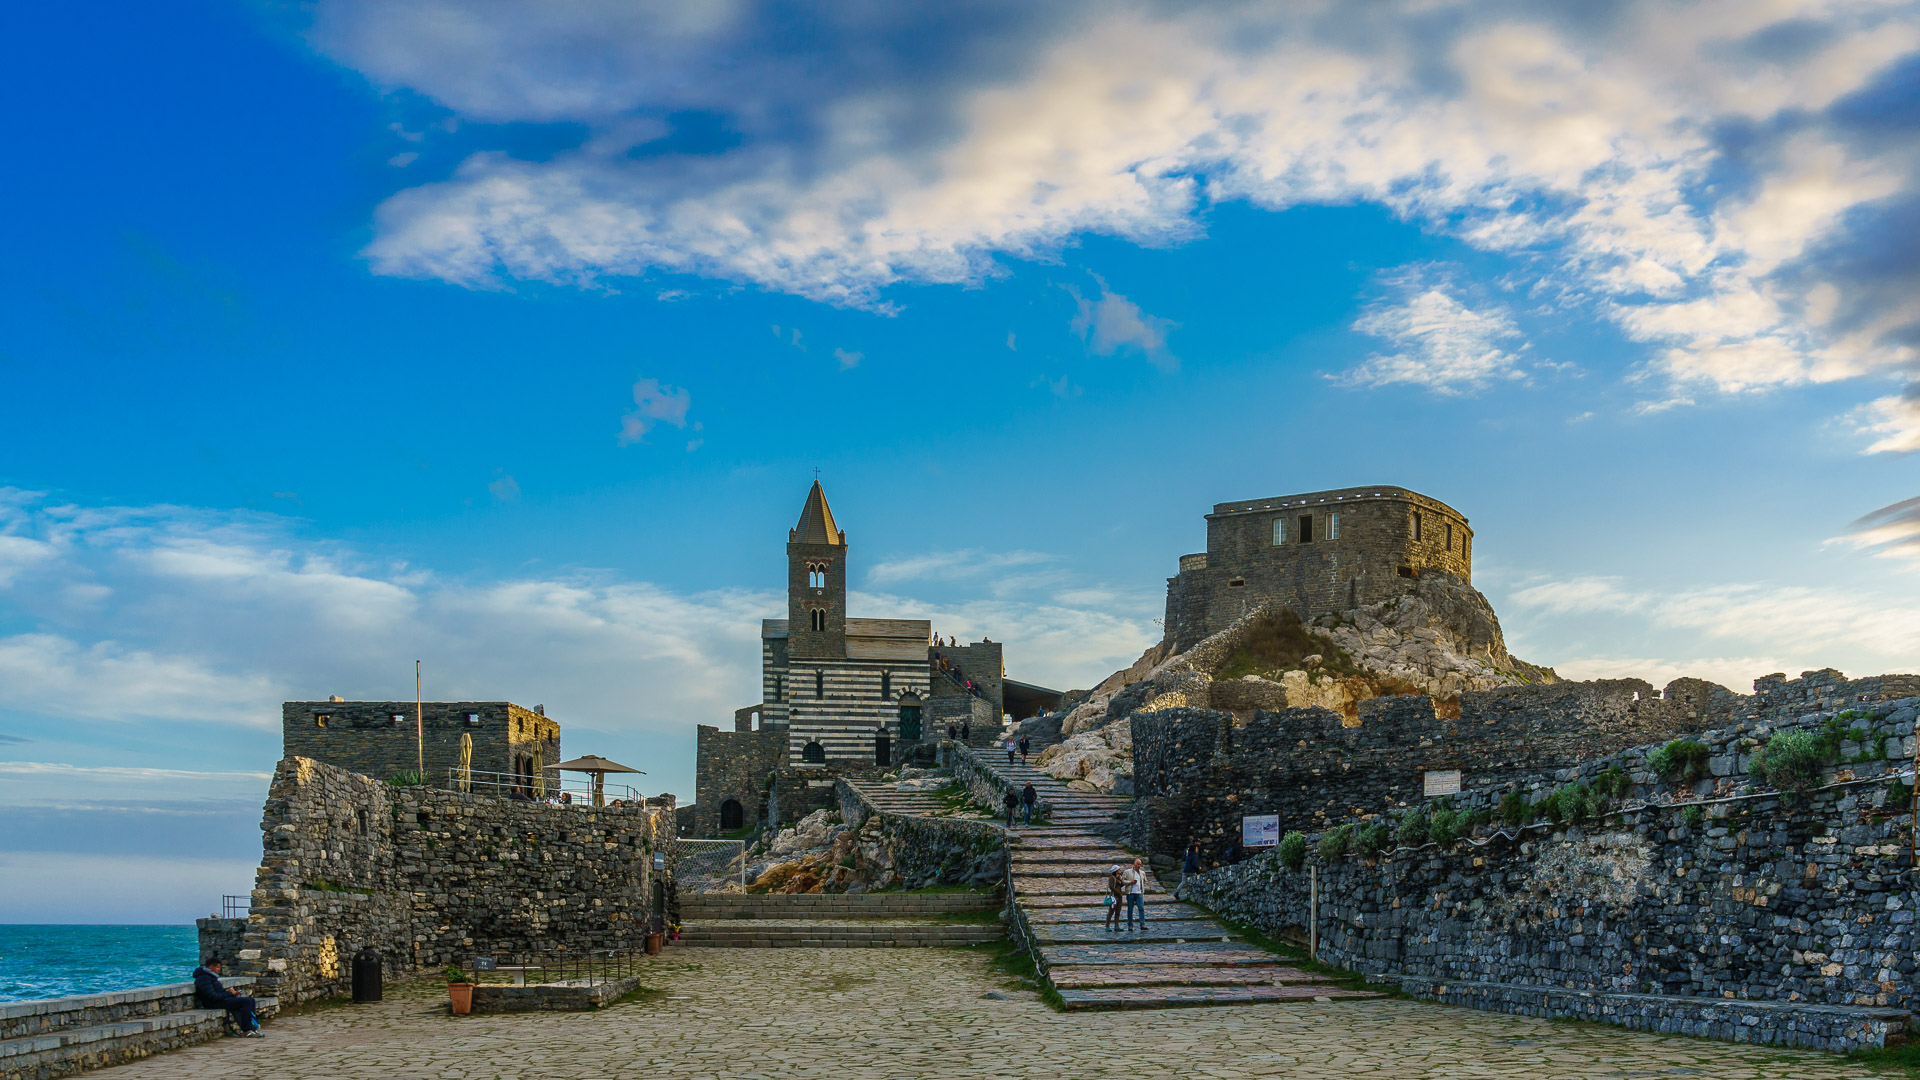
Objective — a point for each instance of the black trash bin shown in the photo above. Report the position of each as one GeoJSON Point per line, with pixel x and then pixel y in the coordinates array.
{"type": "Point", "coordinates": [366, 976]}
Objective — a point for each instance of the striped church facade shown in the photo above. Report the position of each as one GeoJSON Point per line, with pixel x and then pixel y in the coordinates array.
{"type": "Point", "coordinates": [836, 709]}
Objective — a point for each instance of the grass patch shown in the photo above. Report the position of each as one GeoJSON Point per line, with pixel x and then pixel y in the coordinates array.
{"type": "Point", "coordinates": [1009, 959]}
{"type": "Point", "coordinates": [983, 917]}
{"type": "Point", "coordinates": [1340, 977]}
{"type": "Point", "coordinates": [1899, 1060]}
{"type": "Point", "coordinates": [639, 995]}
{"type": "Point", "coordinates": [1280, 643]}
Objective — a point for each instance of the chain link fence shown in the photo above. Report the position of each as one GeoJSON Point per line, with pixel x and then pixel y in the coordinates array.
{"type": "Point", "coordinates": [702, 866]}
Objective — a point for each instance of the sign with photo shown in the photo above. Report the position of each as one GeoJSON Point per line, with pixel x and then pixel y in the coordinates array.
{"type": "Point", "coordinates": [1443, 782]}
{"type": "Point", "coordinates": [1259, 830]}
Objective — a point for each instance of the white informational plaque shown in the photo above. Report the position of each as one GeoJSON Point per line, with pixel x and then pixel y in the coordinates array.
{"type": "Point", "coordinates": [1260, 830]}
{"type": "Point", "coordinates": [1443, 782]}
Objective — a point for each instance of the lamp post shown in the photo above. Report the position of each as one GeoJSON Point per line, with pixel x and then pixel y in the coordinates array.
{"type": "Point", "coordinates": [419, 730]}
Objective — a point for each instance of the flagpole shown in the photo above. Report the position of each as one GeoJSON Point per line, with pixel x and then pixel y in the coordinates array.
{"type": "Point", "coordinates": [419, 729]}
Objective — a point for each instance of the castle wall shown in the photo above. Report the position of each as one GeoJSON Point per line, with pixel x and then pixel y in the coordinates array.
{"type": "Point", "coordinates": [1705, 909]}
{"type": "Point", "coordinates": [430, 877]}
{"type": "Point", "coordinates": [1196, 774]}
{"type": "Point", "coordinates": [733, 765]}
{"type": "Point", "coordinates": [1385, 537]}
{"type": "Point", "coordinates": [362, 736]}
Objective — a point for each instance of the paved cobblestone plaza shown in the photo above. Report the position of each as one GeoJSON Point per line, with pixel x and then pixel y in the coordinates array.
{"type": "Point", "coordinates": [869, 1014]}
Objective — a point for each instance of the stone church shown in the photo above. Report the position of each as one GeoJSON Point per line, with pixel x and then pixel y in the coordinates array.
{"type": "Point", "coordinates": [841, 696]}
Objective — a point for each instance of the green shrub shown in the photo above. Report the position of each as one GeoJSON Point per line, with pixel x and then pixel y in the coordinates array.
{"type": "Point", "coordinates": [1612, 783]}
{"type": "Point", "coordinates": [1547, 809]}
{"type": "Point", "coordinates": [1694, 816]}
{"type": "Point", "coordinates": [1514, 809]}
{"type": "Point", "coordinates": [1412, 831]}
{"type": "Point", "coordinates": [1682, 761]}
{"type": "Point", "coordinates": [1444, 827]}
{"type": "Point", "coordinates": [1793, 760]}
{"type": "Point", "coordinates": [1577, 802]}
{"type": "Point", "coordinates": [1293, 850]}
{"type": "Point", "coordinates": [1373, 839]}
{"type": "Point", "coordinates": [405, 778]}
{"type": "Point", "coordinates": [1334, 843]}
{"type": "Point", "coordinates": [1479, 817]}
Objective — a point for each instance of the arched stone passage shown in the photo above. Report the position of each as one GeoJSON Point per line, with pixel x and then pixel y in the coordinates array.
{"type": "Point", "coordinates": [732, 815]}
{"type": "Point", "coordinates": [815, 753]}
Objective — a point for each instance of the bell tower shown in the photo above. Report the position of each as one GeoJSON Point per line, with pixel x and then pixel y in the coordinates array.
{"type": "Point", "coordinates": [816, 583]}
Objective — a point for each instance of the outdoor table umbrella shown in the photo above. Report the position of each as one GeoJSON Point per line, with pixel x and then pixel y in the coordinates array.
{"type": "Point", "coordinates": [599, 767]}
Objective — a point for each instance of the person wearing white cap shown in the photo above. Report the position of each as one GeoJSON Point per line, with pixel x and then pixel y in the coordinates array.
{"type": "Point", "coordinates": [1116, 896]}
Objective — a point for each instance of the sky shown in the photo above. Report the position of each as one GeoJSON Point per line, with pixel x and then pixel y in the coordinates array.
{"type": "Point", "coordinates": [506, 335]}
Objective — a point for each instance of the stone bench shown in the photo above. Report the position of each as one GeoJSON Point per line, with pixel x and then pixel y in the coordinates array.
{"type": "Point", "coordinates": [60, 1036]}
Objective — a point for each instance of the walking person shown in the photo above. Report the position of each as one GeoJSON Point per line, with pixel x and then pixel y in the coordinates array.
{"type": "Point", "coordinates": [1028, 797]}
{"type": "Point", "coordinates": [1010, 749]}
{"type": "Point", "coordinates": [1025, 745]}
{"type": "Point", "coordinates": [1116, 897]}
{"type": "Point", "coordinates": [212, 995]}
{"type": "Point", "coordinates": [1136, 878]}
{"type": "Point", "coordinates": [1189, 867]}
{"type": "Point", "coordinates": [1012, 802]}
{"type": "Point", "coordinates": [966, 731]}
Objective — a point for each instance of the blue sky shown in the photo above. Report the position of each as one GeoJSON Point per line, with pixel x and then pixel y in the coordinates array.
{"type": "Point", "coordinates": [506, 336]}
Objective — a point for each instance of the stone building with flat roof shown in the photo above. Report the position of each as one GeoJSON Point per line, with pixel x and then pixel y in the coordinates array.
{"type": "Point", "coordinates": [377, 738]}
{"type": "Point", "coordinates": [1315, 553]}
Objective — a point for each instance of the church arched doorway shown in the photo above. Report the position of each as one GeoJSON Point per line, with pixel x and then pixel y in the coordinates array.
{"type": "Point", "coordinates": [814, 753]}
{"type": "Point", "coordinates": [882, 748]}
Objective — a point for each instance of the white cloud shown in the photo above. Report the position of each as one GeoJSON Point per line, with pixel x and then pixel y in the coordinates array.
{"type": "Point", "coordinates": [1892, 532]}
{"type": "Point", "coordinates": [1736, 673]}
{"type": "Point", "coordinates": [1114, 322]}
{"type": "Point", "coordinates": [1439, 343]}
{"type": "Point", "coordinates": [505, 488]}
{"type": "Point", "coordinates": [848, 359]}
{"type": "Point", "coordinates": [951, 565]}
{"type": "Point", "coordinates": [655, 404]}
{"type": "Point", "coordinates": [1586, 145]}
{"type": "Point", "coordinates": [1896, 419]}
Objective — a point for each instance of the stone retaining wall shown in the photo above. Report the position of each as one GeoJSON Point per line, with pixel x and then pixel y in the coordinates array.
{"type": "Point", "coordinates": [923, 851]}
{"type": "Point", "coordinates": [1718, 907]}
{"type": "Point", "coordinates": [430, 877]}
{"type": "Point", "coordinates": [54, 1037]}
{"type": "Point", "coordinates": [489, 998]}
{"type": "Point", "coordinates": [986, 788]}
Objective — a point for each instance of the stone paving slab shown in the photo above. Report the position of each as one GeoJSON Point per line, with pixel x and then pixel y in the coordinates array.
{"type": "Point", "coordinates": [1157, 930]}
{"type": "Point", "coordinates": [1094, 887]}
{"type": "Point", "coordinates": [941, 1014]}
{"type": "Point", "coordinates": [1130, 952]}
{"type": "Point", "coordinates": [1162, 997]}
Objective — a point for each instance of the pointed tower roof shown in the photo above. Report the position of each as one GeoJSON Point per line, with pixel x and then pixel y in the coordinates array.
{"type": "Point", "coordinates": [816, 521]}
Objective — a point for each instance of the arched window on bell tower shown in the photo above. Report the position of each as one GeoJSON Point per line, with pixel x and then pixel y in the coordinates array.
{"type": "Point", "coordinates": [817, 619]}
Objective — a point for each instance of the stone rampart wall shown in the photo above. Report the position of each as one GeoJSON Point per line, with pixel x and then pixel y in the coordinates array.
{"type": "Point", "coordinates": [362, 736]}
{"type": "Point", "coordinates": [923, 851]}
{"type": "Point", "coordinates": [1681, 899]}
{"type": "Point", "coordinates": [1196, 773]}
{"type": "Point", "coordinates": [429, 877]}
{"type": "Point", "coordinates": [733, 765]}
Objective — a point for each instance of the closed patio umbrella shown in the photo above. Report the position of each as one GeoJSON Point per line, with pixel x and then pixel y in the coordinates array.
{"type": "Point", "coordinates": [466, 761]}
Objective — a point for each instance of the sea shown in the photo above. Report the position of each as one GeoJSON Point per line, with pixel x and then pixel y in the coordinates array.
{"type": "Point", "coordinates": [57, 961]}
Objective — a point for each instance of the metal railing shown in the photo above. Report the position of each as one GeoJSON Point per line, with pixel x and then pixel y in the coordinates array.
{"type": "Point", "coordinates": [701, 866]}
{"type": "Point", "coordinates": [235, 907]}
{"type": "Point", "coordinates": [553, 787]}
{"type": "Point", "coordinates": [595, 967]}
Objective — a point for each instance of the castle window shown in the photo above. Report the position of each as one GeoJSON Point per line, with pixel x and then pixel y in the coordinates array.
{"type": "Point", "coordinates": [1306, 528]}
{"type": "Point", "coordinates": [776, 688]}
{"type": "Point", "coordinates": [886, 686]}
{"type": "Point", "coordinates": [1406, 571]}
{"type": "Point", "coordinates": [1416, 524]}
{"type": "Point", "coordinates": [320, 719]}
{"type": "Point", "coordinates": [816, 575]}
{"type": "Point", "coordinates": [819, 684]}
{"type": "Point", "coordinates": [1237, 583]}
{"type": "Point", "coordinates": [1333, 526]}
{"type": "Point", "coordinates": [732, 815]}
{"type": "Point", "coordinates": [398, 719]}
{"type": "Point", "coordinates": [1279, 531]}
{"type": "Point", "coordinates": [815, 753]}
{"type": "Point", "coordinates": [1449, 536]}
{"type": "Point", "coordinates": [1463, 545]}
{"type": "Point", "coordinates": [360, 816]}
{"type": "Point", "coordinates": [817, 619]}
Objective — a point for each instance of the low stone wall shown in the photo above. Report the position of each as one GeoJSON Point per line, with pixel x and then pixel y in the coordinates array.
{"type": "Point", "coordinates": [221, 937]}
{"type": "Point", "coordinates": [1717, 907]}
{"type": "Point", "coordinates": [985, 788]}
{"type": "Point", "coordinates": [56, 1037]}
{"type": "Point", "coordinates": [489, 998]}
{"type": "Point", "coordinates": [923, 851]}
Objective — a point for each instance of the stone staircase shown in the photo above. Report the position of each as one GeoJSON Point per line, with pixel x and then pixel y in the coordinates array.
{"type": "Point", "coordinates": [56, 1037]}
{"type": "Point", "coordinates": [837, 920]}
{"type": "Point", "coordinates": [889, 797]}
{"type": "Point", "coordinates": [1182, 956]}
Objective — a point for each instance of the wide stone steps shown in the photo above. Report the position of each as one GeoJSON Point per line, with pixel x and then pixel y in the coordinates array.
{"type": "Point", "coordinates": [1167, 997]}
{"type": "Point", "coordinates": [68, 1050]}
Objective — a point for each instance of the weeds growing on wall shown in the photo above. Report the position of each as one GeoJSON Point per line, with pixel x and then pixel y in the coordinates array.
{"type": "Point", "coordinates": [1514, 809]}
{"type": "Point", "coordinates": [405, 778]}
{"type": "Point", "coordinates": [1373, 839]}
{"type": "Point", "coordinates": [1794, 760]}
{"type": "Point", "coordinates": [1280, 643]}
{"type": "Point", "coordinates": [1445, 825]}
{"type": "Point", "coordinates": [1335, 842]}
{"type": "Point", "coordinates": [1412, 831]}
{"type": "Point", "coordinates": [1681, 761]}
{"type": "Point", "coordinates": [1293, 850]}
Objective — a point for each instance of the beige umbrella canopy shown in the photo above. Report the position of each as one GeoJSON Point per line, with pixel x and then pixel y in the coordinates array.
{"type": "Point", "coordinates": [599, 767]}
{"type": "Point", "coordinates": [539, 771]}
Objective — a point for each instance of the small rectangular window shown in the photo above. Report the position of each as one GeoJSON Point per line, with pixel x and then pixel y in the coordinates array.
{"type": "Point", "coordinates": [1279, 531]}
{"type": "Point", "coordinates": [1306, 528]}
{"type": "Point", "coordinates": [1416, 524]}
{"type": "Point", "coordinates": [1333, 526]}
{"type": "Point", "coordinates": [1449, 536]}
{"type": "Point", "coordinates": [320, 719]}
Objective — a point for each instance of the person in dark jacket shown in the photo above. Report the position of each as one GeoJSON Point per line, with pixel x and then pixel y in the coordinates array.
{"type": "Point", "coordinates": [212, 995]}
{"type": "Point", "coordinates": [1028, 797]}
{"type": "Point", "coordinates": [1189, 868]}
{"type": "Point", "coordinates": [1025, 745]}
{"type": "Point", "coordinates": [1012, 802]}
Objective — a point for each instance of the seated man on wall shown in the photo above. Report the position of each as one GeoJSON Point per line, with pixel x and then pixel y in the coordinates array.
{"type": "Point", "coordinates": [212, 995]}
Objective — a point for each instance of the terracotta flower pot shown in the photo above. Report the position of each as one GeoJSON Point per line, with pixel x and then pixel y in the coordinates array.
{"type": "Point", "coordinates": [462, 995]}
{"type": "Point", "coordinates": [654, 942]}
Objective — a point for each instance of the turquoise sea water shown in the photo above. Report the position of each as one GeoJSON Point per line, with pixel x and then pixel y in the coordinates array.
{"type": "Point", "coordinates": [56, 961]}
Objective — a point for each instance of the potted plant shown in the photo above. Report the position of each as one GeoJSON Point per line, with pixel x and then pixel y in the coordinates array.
{"type": "Point", "coordinates": [460, 990]}
{"type": "Point", "coordinates": [656, 936]}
